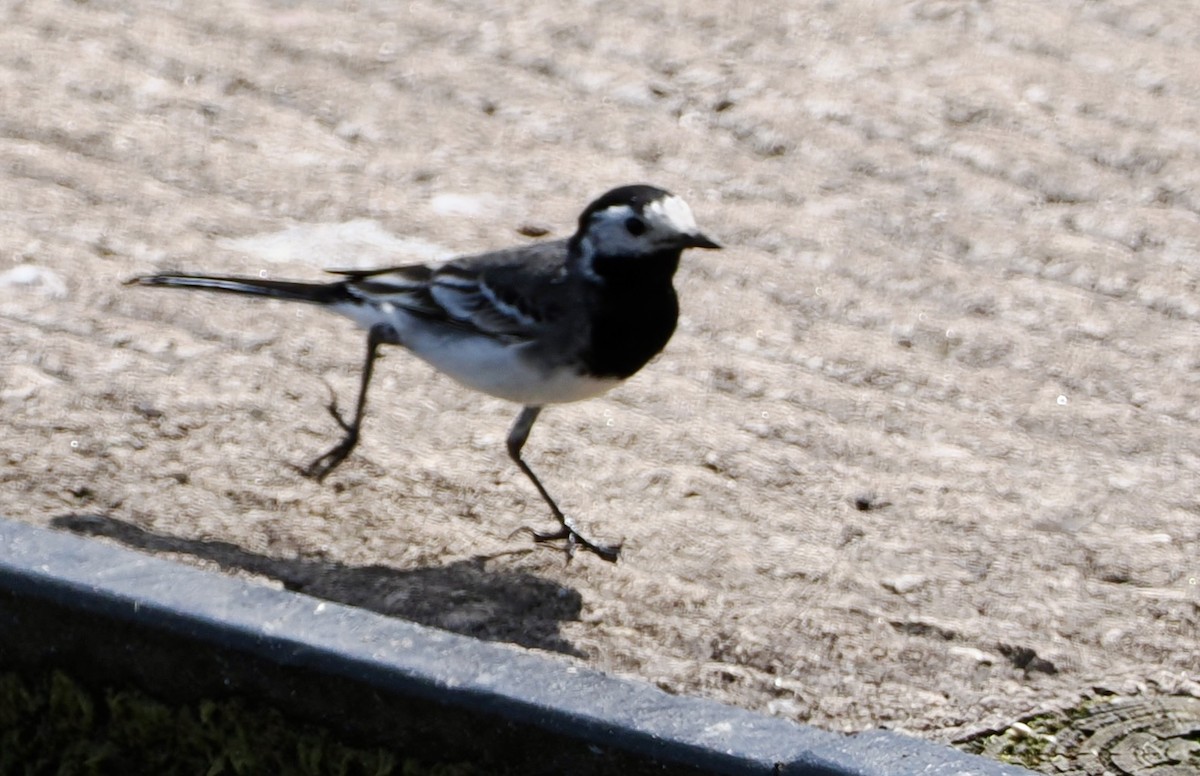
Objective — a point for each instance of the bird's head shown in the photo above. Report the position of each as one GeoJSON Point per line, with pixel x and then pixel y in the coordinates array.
{"type": "Point", "coordinates": [637, 221]}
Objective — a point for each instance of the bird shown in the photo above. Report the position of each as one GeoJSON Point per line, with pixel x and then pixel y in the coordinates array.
{"type": "Point", "coordinates": [543, 323]}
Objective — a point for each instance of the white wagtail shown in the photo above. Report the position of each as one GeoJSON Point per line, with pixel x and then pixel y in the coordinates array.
{"type": "Point", "coordinates": [551, 322]}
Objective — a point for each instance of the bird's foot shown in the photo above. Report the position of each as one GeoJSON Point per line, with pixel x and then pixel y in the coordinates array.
{"type": "Point", "coordinates": [575, 541]}
{"type": "Point", "coordinates": [320, 468]}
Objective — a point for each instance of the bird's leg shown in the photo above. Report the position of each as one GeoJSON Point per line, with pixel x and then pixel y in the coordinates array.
{"type": "Point", "coordinates": [321, 467]}
{"type": "Point", "coordinates": [516, 440]}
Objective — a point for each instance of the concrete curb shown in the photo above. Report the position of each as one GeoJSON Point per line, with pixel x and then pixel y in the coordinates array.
{"type": "Point", "coordinates": [62, 587]}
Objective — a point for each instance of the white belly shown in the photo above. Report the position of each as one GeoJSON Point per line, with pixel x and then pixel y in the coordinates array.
{"type": "Point", "coordinates": [503, 371]}
{"type": "Point", "coordinates": [485, 364]}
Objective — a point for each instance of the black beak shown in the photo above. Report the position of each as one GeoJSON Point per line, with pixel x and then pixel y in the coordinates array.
{"type": "Point", "coordinates": [698, 240]}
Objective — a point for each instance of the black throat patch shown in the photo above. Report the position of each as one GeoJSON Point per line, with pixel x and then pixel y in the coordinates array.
{"type": "Point", "coordinates": [635, 312]}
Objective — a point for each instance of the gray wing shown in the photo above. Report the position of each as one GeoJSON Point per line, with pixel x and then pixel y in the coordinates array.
{"type": "Point", "coordinates": [509, 294]}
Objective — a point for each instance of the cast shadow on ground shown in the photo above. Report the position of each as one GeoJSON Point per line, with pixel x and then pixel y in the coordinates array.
{"type": "Point", "coordinates": [465, 597]}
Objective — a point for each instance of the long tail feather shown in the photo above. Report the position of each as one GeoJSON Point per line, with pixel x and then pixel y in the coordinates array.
{"type": "Point", "coordinates": [317, 293]}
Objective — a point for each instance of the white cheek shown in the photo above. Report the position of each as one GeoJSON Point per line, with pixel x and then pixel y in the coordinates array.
{"type": "Point", "coordinates": [616, 241]}
{"type": "Point", "coordinates": [587, 253]}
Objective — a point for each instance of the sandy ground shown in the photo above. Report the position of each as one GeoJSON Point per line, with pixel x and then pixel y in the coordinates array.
{"type": "Point", "coordinates": [923, 453]}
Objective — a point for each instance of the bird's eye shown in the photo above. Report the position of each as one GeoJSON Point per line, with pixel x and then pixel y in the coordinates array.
{"type": "Point", "coordinates": [635, 226]}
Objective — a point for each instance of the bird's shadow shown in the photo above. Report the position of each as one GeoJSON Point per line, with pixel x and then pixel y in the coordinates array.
{"type": "Point", "coordinates": [466, 596]}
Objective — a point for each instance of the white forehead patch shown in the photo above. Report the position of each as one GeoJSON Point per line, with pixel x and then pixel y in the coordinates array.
{"type": "Point", "coordinates": [672, 213]}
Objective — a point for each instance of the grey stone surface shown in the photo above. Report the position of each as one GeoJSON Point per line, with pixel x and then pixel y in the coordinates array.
{"type": "Point", "coordinates": [397, 657]}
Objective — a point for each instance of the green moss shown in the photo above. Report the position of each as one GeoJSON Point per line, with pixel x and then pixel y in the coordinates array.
{"type": "Point", "coordinates": [1020, 746]}
{"type": "Point", "coordinates": [51, 724]}
{"type": "Point", "coordinates": [1033, 742]}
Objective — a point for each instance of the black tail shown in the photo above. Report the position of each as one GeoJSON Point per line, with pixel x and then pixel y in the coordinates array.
{"type": "Point", "coordinates": [317, 293]}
